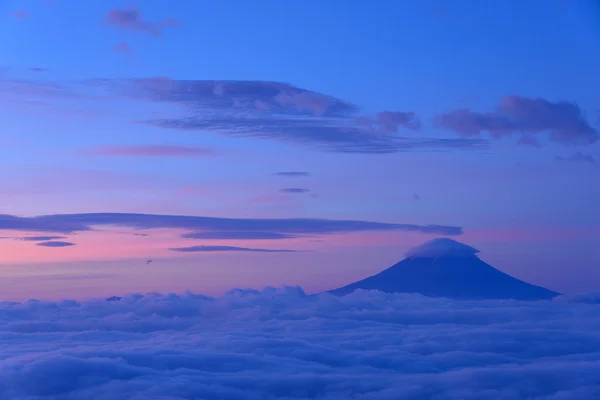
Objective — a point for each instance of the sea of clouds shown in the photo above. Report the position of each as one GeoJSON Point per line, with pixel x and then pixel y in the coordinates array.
{"type": "Point", "coordinates": [283, 344]}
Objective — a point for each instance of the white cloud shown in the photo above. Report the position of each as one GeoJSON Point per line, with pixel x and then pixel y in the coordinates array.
{"type": "Point", "coordinates": [441, 247]}
{"type": "Point", "coordinates": [282, 344]}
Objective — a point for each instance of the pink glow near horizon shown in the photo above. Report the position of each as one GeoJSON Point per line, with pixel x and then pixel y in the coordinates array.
{"type": "Point", "coordinates": [126, 244]}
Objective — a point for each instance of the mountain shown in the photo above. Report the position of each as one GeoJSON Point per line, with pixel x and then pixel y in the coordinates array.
{"type": "Point", "coordinates": [446, 268]}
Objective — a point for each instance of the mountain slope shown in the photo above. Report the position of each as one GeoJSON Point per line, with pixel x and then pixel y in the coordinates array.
{"type": "Point", "coordinates": [446, 268]}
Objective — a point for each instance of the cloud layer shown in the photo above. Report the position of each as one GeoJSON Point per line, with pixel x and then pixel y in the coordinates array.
{"type": "Point", "coordinates": [563, 121]}
{"type": "Point", "coordinates": [283, 344]}
{"type": "Point", "coordinates": [277, 111]}
{"type": "Point", "coordinates": [67, 223]}
{"type": "Point", "coordinates": [282, 112]}
{"type": "Point", "coordinates": [578, 157]}
{"type": "Point", "coordinates": [131, 19]}
{"type": "Point", "coordinates": [251, 109]}
{"type": "Point", "coordinates": [152, 151]}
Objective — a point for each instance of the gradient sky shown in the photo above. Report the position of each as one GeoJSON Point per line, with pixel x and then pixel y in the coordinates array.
{"type": "Point", "coordinates": [358, 129]}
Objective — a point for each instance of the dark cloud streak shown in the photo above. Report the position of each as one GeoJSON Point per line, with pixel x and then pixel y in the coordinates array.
{"type": "Point", "coordinates": [294, 190]}
{"type": "Point", "coordinates": [207, 249]}
{"type": "Point", "coordinates": [40, 238]}
{"type": "Point", "coordinates": [68, 223]}
{"type": "Point", "coordinates": [292, 173]}
{"type": "Point", "coordinates": [578, 157]}
{"type": "Point", "coordinates": [55, 244]}
{"type": "Point", "coordinates": [339, 136]}
{"type": "Point", "coordinates": [237, 235]}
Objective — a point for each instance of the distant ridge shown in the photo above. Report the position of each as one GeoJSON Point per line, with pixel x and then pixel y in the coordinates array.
{"type": "Point", "coordinates": [446, 268]}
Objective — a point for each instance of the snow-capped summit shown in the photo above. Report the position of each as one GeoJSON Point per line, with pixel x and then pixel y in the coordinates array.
{"type": "Point", "coordinates": [446, 268]}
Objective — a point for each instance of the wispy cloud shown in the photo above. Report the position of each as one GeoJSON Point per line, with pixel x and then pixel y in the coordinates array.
{"type": "Point", "coordinates": [529, 140]}
{"type": "Point", "coordinates": [66, 223]}
{"type": "Point", "coordinates": [563, 121]}
{"type": "Point", "coordinates": [292, 173]}
{"type": "Point", "coordinates": [282, 112]}
{"type": "Point", "coordinates": [264, 97]}
{"type": "Point", "coordinates": [237, 235]}
{"type": "Point", "coordinates": [32, 238]}
{"type": "Point", "coordinates": [152, 151]}
{"type": "Point", "coordinates": [336, 135]}
{"type": "Point", "coordinates": [34, 88]}
{"type": "Point", "coordinates": [294, 190]}
{"type": "Point", "coordinates": [261, 110]}
{"type": "Point", "coordinates": [389, 122]}
{"type": "Point", "coordinates": [131, 19]}
{"type": "Point", "coordinates": [40, 238]}
{"type": "Point", "coordinates": [201, 249]}
{"type": "Point", "coordinates": [39, 224]}
{"type": "Point", "coordinates": [20, 14]}
{"type": "Point", "coordinates": [123, 48]}
{"type": "Point", "coordinates": [55, 244]}
{"type": "Point", "coordinates": [578, 157]}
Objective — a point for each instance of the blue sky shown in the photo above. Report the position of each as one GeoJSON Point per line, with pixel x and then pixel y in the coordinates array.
{"type": "Point", "coordinates": [400, 112]}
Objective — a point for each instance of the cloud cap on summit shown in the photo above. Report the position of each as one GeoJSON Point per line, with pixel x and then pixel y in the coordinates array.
{"type": "Point", "coordinates": [441, 247]}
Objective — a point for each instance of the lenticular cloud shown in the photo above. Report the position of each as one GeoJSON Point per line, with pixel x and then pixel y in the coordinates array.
{"type": "Point", "coordinates": [282, 344]}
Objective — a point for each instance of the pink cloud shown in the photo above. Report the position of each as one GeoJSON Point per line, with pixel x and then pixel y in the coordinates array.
{"type": "Point", "coordinates": [563, 121]}
{"type": "Point", "coordinates": [131, 19]}
{"type": "Point", "coordinates": [123, 48]}
{"type": "Point", "coordinates": [20, 14]}
{"type": "Point", "coordinates": [152, 151]}
{"type": "Point", "coordinates": [307, 101]}
{"type": "Point", "coordinates": [125, 244]}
